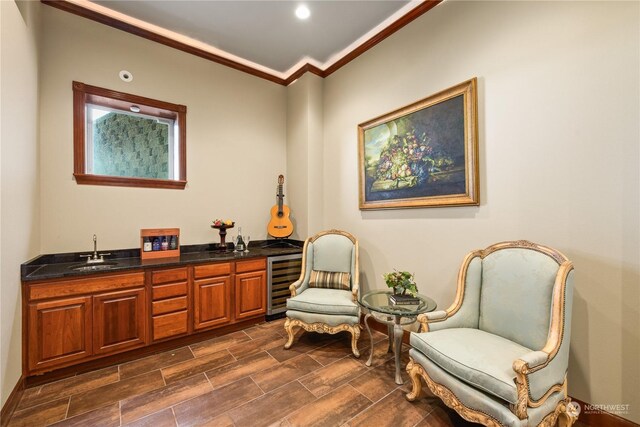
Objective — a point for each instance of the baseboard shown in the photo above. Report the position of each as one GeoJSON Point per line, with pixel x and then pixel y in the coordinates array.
{"type": "Point", "coordinates": [597, 417]}
{"type": "Point", "coordinates": [12, 403]}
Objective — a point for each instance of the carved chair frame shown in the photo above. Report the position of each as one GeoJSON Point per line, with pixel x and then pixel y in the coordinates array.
{"type": "Point", "coordinates": [319, 327]}
{"type": "Point", "coordinates": [561, 414]}
{"type": "Point", "coordinates": [521, 368]}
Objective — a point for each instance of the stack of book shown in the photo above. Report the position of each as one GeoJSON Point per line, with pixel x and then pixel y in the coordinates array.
{"type": "Point", "coordinates": [403, 300]}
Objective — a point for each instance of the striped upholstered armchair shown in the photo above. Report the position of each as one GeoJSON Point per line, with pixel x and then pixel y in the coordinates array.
{"type": "Point", "coordinates": [325, 298]}
{"type": "Point", "coordinates": [499, 354]}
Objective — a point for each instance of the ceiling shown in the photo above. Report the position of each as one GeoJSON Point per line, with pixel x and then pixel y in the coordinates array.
{"type": "Point", "coordinates": [260, 35]}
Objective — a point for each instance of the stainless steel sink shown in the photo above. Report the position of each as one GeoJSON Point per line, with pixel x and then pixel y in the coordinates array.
{"type": "Point", "coordinates": [93, 267]}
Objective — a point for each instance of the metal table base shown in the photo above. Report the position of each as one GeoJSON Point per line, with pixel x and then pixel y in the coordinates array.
{"type": "Point", "coordinates": [378, 305]}
{"type": "Point", "coordinates": [395, 332]}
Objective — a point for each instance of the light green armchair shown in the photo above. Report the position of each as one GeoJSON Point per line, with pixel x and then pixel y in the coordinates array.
{"type": "Point", "coordinates": [499, 354]}
{"type": "Point", "coordinates": [325, 298]}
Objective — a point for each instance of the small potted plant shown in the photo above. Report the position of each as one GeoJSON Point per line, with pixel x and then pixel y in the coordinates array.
{"type": "Point", "coordinates": [401, 282]}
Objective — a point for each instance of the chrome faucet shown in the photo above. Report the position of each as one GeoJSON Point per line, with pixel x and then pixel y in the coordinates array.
{"type": "Point", "coordinates": [95, 257]}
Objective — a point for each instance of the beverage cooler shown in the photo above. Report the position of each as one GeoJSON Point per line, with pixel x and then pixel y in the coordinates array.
{"type": "Point", "coordinates": [282, 271]}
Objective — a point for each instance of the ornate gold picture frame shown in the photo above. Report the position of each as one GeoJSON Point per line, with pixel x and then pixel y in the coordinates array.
{"type": "Point", "coordinates": [422, 155]}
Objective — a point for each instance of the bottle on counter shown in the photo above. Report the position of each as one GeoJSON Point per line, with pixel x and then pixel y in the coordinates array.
{"type": "Point", "coordinates": [240, 242]}
{"type": "Point", "coordinates": [173, 243]}
{"type": "Point", "coordinates": [147, 246]}
{"type": "Point", "coordinates": [165, 244]}
{"type": "Point", "coordinates": [156, 244]}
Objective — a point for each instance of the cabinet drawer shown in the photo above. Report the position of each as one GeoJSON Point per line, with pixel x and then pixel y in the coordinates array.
{"type": "Point", "coordinates": [169, 305]}
{"type": "Point", "coordinates": [166, 276]}
{"type": "Point", "coordinates": [83, 286]}
{"type": "Point", "coordinates": [169, 291]}
{"type": "Point", "coordinates": [251, 265]}
{"type": "Point", "coordinates": [212, 270]}
{"type": "Point", "coordinates": [169, 325]}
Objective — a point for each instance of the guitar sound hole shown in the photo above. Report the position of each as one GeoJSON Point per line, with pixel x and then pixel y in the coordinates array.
{"type": "Point", "coordinates": [280, 214]}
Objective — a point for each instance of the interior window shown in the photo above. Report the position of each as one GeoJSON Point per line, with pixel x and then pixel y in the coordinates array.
{"type": "Point", "coordinates": [128, 140]}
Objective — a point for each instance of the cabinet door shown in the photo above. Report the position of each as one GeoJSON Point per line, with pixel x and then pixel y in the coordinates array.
{"type": "Point", "coordinates": [212, 302]}
{"type": "Point", "coordinates": [251, 294]}
{"type": "Point", "coordinates": [59, 332]}
{"type": "Point", "coordinates": [119, 321]}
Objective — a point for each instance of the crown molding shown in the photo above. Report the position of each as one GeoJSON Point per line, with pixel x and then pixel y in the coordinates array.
{"type": "Point", "coordinates": [123, 22]}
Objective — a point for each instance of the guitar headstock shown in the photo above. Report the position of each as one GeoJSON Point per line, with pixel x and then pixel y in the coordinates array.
{"type": "Point", "coordinates": [281, 179]}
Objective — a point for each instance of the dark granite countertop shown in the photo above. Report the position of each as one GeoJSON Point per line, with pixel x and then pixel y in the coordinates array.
{"type": "Point", "coordinates": [53, 266]}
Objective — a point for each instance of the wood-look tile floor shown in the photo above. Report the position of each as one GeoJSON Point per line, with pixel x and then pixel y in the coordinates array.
{"type": "Point", "coordinates": [244, 378]}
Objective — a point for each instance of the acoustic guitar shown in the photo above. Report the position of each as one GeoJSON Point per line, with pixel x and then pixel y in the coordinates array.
{"type": "Point", "coordinates": [280, 225]}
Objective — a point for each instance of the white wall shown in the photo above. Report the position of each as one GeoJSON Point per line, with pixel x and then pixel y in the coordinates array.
{"type": "Point", "coordinates": [315, 156]}
{"type": "Point", "coordinates": [305, 158]}
{"type": "Point", "coordinates": [19, 203]}
{"type": "Point", "coordinates": [559, 102]}
{"type": "Point", "coordinates": [236, 136]}
{"type": "Point", "coordinates": [558, 109]}
{"type": "Point", "coordinates": [297, 179]}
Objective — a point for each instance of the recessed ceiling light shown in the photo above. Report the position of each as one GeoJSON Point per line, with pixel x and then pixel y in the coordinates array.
{"type": "Point", "coordinates": [126, 76]}
{"type": "Point", "coordinates": [303, 12]}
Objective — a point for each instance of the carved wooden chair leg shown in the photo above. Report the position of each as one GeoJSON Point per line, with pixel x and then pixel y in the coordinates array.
{"type": "Point", "coordinates": [564, 420]}
{"type": "Point", "coordinates": [416, 384]}
{"type": "Point", "coordinates": [355, 334]}
{"type": "Point", "coordinates": [289, 328]}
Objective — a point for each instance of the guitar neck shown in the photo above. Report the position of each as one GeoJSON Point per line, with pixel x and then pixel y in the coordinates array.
{"type": "Point", "coordinates": [280, 197]}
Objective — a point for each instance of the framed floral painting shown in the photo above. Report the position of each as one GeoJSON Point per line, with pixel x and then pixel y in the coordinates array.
{"type": "Point", "coordinates": [422, 155]}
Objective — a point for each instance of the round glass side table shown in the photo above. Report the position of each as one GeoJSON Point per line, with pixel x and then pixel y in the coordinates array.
{"type": "Point", "coordinates": [394, 316]}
